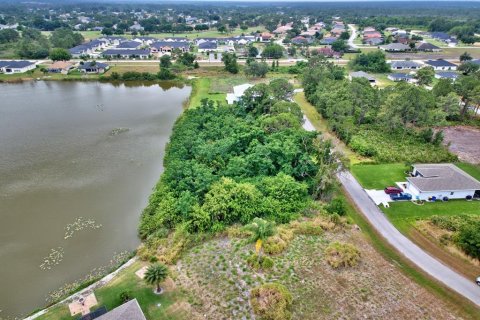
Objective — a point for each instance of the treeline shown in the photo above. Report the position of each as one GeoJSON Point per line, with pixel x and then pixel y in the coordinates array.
{"type": "Point", "coordinates": [230, 164]}
{"type": "Point", "coordinates": [393, 124]}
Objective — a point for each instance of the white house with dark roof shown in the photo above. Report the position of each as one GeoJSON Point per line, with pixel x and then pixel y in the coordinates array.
{"type": "Point", "coordinates": [441, 65]}
{"type": "Point", "coordinates": [446, 75]}
{"type": "Point", "coordinates": [19, 66]}
{"type": "Point", "coordinates": [405, 65]}
{"type": "Point", "coordinates": [441, 181]}
{"type": "Point", "coordinates": [395, 47]}
{"type": "Point", "coordinates": [130, 310]}
{"type": "Point", "coordinates": [428, 47]}
{"type": "Point", "coordinates": [362, 74]}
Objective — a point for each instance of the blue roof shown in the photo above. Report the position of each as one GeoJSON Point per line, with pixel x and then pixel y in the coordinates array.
{"type": "Point", "coordinates": [328, 40]}
{"type": "Point", "coordinates": [399, 76]}
{"type": "Point", "coordinates": [476, 61]}
{"type": "Point", "coordinates": [440, 63]}
{"type": "Point", "coordinates": [137, 52]}
{"type": "Point", "coordinates": [440, 35]}
{"type": "Point", "coordinates": [89, 64]}
{"type": "Point", "coordinates": [447, 75]}
{"type": "Point", "coordinates": [207, 45]}
{"type": "Point", "coordinates": [15, 64]}
{"type": "Point", "coordinates": [129, 45]}
{"type": "Point", "coordinates": [173, 44]}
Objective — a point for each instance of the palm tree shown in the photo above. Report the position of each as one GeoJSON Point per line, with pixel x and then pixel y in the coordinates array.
{"type": "Point", "coordinates": [261, 230]}
{"type": "Point", "coordinates": [156, 274]}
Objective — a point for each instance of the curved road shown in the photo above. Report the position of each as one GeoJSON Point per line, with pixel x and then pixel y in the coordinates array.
{"type": "Point", "coordinates": [353, 36]}
{"type": "Point", "coordinates": [453, 280]}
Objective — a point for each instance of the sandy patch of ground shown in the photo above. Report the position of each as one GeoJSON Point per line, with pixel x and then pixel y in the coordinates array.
{"type": "Point", "coordinates": [464, 142]}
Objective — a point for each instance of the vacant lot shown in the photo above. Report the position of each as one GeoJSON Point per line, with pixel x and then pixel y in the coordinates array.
{"type": "Point", "coordinates": [219, 277]}
{"type": "Point", "coordinates": [464, 142]}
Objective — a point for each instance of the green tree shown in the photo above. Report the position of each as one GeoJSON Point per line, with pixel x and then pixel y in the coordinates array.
{"type": "Point", "coordinates": [281, 89]}
{"type": "Point", "coordinates": [9, 35]}
{"type": "Point", "coordinates": [65, 38]}
{"type": "Point", "coordinates": [252, 51]}
{"type": "Point", "coordinates": [155, 275]}
{"type": "Point", "coordinates": [465, 57]}
{"type": "Point", "coordinates": [230, 62]}
{"type": "Point", "coordinates": [345, 35]}
{"type": "Point", "coordinates": [469, 67]}
{"type": "Point", "coordinates": [272, 51]}
{"type": "Point", "coordinates": [165, 61]}
{"type": "Point", "coordinates": [425, 76]}
{"type": "Point", "coordinates": [261, 229]}
{"type": "Point", "coordinates": [371, 62]}
{"type": "Point", "coordinates": [340, 46]}
{"type": "Point", "coordinates": [256, 69]}
{"type": "Point", "coordinates": [443, 87]}
{"type": "Point", "coordinates": [59, 54]}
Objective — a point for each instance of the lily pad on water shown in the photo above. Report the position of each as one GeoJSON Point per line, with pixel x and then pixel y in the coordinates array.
{"type": "Point", "coordinates": [117, 131]}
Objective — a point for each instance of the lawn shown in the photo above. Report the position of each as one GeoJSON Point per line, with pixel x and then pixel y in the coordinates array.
{"type": "Point", "coordinates": [379, 176]}
{"type": "Point", "coordinates": [404, 214]}
{"type": "Point", "coordinates": [471, 169]}
{"type": "Point", "coordinates": [201, 90]}
{"type": "Point", "coordinates": [154, 306]}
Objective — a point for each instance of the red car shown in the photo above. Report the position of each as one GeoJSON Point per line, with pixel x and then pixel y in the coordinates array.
{"type": "Point", "coordinates": [392, 190]}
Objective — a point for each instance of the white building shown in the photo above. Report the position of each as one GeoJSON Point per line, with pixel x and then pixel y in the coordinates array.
{"type": "Point", "coordinates": [441, 181]}
{"type": "Point", "coordinates": [12, 67]}
{"type": "Point", "coordinates": [238, 92]}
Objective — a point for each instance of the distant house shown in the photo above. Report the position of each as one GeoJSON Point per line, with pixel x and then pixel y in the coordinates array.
{"type": "Point", "coordinates": [62, 67]}
{"type": "Point", "coordinates": [371, 34]}
{"type": "Point", "coordinates": [130, 310]}
{"type": "Point", "coordinates": [136, 27]}
{"type": "Point", "coordinates": [299, 40]}
{"type": "Point", "coordinates": [207, 46]}
{"type": "Point", "coordinates": [93, 67]}
{"type": "Point", "coordinates": [129, 45]}
{"type": "Point", "coordinates": [401, 77]}
{"type": "Point", "coordinates": [328, 52]}
{"type": "Point", "coordinates": [395, 47]}
{"type": "Point", "coordinates": [373, 41]}
{"type": "Point", "coordinates": [264, 37]}
{"type": "Point", "coordinates": [439, 181]}
{"type": "Point", "coordinates": [362, 74]}
{"type": "Point", "coordinates": [283, 29]}
{"type": "Point", "coordinates": [405, 65]}
{"type": "Point", "coordinates": [446, 75]}
{"type": "Point", "coordinates": [441, 65]}
{"type": "Point", "coordinates": [167, 47]}
{"type": "Point", "coordinates": [428, 47]}
{"type": "Point", "coordinates": [238, 92]}
{"type": "Point", "coordinates": [328, 40]}
{"type": "Point", "coordinates": [125, 53]}
{"type": "Point", "coordinates": [19, 66]}
{"type": "Point", "coordinates": [476, 61]}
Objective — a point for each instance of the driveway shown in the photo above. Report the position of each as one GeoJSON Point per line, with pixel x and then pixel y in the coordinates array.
{"type": "Point", "coordinates": [436, 269]}
{"type": "Point", "coordinates": [353, 36]}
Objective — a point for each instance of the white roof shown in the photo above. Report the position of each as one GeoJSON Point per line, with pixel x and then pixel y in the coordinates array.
{"type": "Point", "coordinates": [238, 91]}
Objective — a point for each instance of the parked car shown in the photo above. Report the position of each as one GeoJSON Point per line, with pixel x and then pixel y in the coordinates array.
{"type": "Point", "coordinates": [392, 190]}
{"type": "Point", "coordinates": [401, 196]}
{"type": "Point", "coordinates": [478, 281]}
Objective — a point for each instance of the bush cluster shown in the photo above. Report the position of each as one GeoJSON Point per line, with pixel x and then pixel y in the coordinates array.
{"type": "Point", "coordinates": [271, 301]}
{"type": "Point", "coordinates": [340, 254]}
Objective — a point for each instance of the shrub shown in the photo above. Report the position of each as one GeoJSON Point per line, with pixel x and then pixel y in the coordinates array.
{"type": "Point", "coordinates": [468, 239]}
{"type": "Point", "coordinates": [308, 228]}
{"type": "Point", "coordinates": [279, 242]}
{"type": "Point", "coordinates": [125, 296]}
{"type": "Point", "coordinates": [271, 301]}
{"type": "Point", "coordinates": [337, 206]}
{"type": "Point", "coordinates": [257, 262]}
{"type": "Point", "coordinates": [340, 254]}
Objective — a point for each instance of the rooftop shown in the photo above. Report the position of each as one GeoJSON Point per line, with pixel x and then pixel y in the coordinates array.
{"type": "Point", "coordinates": [128, 311]}
{"type": "Point", "coordinates": [440, 63]}
{"type": "Point", "coordinates": [442, 177]}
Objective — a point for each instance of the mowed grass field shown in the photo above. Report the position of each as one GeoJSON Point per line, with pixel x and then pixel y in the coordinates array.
{"type": "Point", "coordinates": [379, 176]}
{"type": "Point", "coordinates": [159, 307]}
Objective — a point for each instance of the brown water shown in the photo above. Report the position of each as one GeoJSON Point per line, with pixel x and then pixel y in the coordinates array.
{"type": "Point", "coordinates": [60, 160]}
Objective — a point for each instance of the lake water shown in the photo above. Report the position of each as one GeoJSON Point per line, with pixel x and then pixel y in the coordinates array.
{"type": "Point", "coordinates": [71, 150]}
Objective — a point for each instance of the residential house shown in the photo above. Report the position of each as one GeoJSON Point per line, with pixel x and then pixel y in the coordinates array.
{"type": "Point", "coordinates": [446, 75]}
{"type": "Point", "coordinates": [441, 65]}
{"type": "Point", "coordinates": [299, 40]}
{"type": "Point", "coordinates": [428, 47]}
{"type": "Point", "coordinates": [374, 41]}
{"type": "Point", "coordinates": [371, 34]}
{"type": "Point", "coordinates": [238, 92]}
{"type": "Point", "coordinates": [19, 66]}
{"type": "Point", "coordinates": [167, 47]}
{"type": "Point", "coordinates": [362, 74]}
{"type": "Point", "coordinates": [328, 52]}
{"type": "Point", "coordinates": [62, 67]}
{"type": "Point", "coordinates": [476, 61]}
{"type": "Point", "coordinates": [129, 45]}
{"type": "Point", "coordinates": [328, 40]}
{"type": "Point", "coordinates": [93, 67]}
{"type": "Point", "coordinates": [405, 65]}
{"type": "Point", "coordinates": [444, 37]}
{"type": "Point", "coordinates": [126, 53]}
{"type": "Point", "coordinates": [396, 77]}
{"type": "Point", "coordinates": [283, 29]}
{"type": "Point", "coordinates": [207, 46]}
{"type": "Point", "coordinates": [395, 47]}
{"type": "Point", "coordinates": [130, 310]}
{"type": "Point", "coordinates": [369, 29]}
{"type": "Point", "coordinates": [136, 27]}
{"type": "Point", "coordinates": [441, 182]}
{"type": "Point", "coordinates": [264, 37]}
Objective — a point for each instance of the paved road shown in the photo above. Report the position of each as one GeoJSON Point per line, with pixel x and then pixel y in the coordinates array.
{"type": "Point", "coordinates": [453, 280]}
{"type": "Point", "coordinates": [353, 35]}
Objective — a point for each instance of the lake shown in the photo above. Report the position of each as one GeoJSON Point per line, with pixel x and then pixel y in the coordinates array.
{"type": "Point", "coordinates": [78, 161]}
